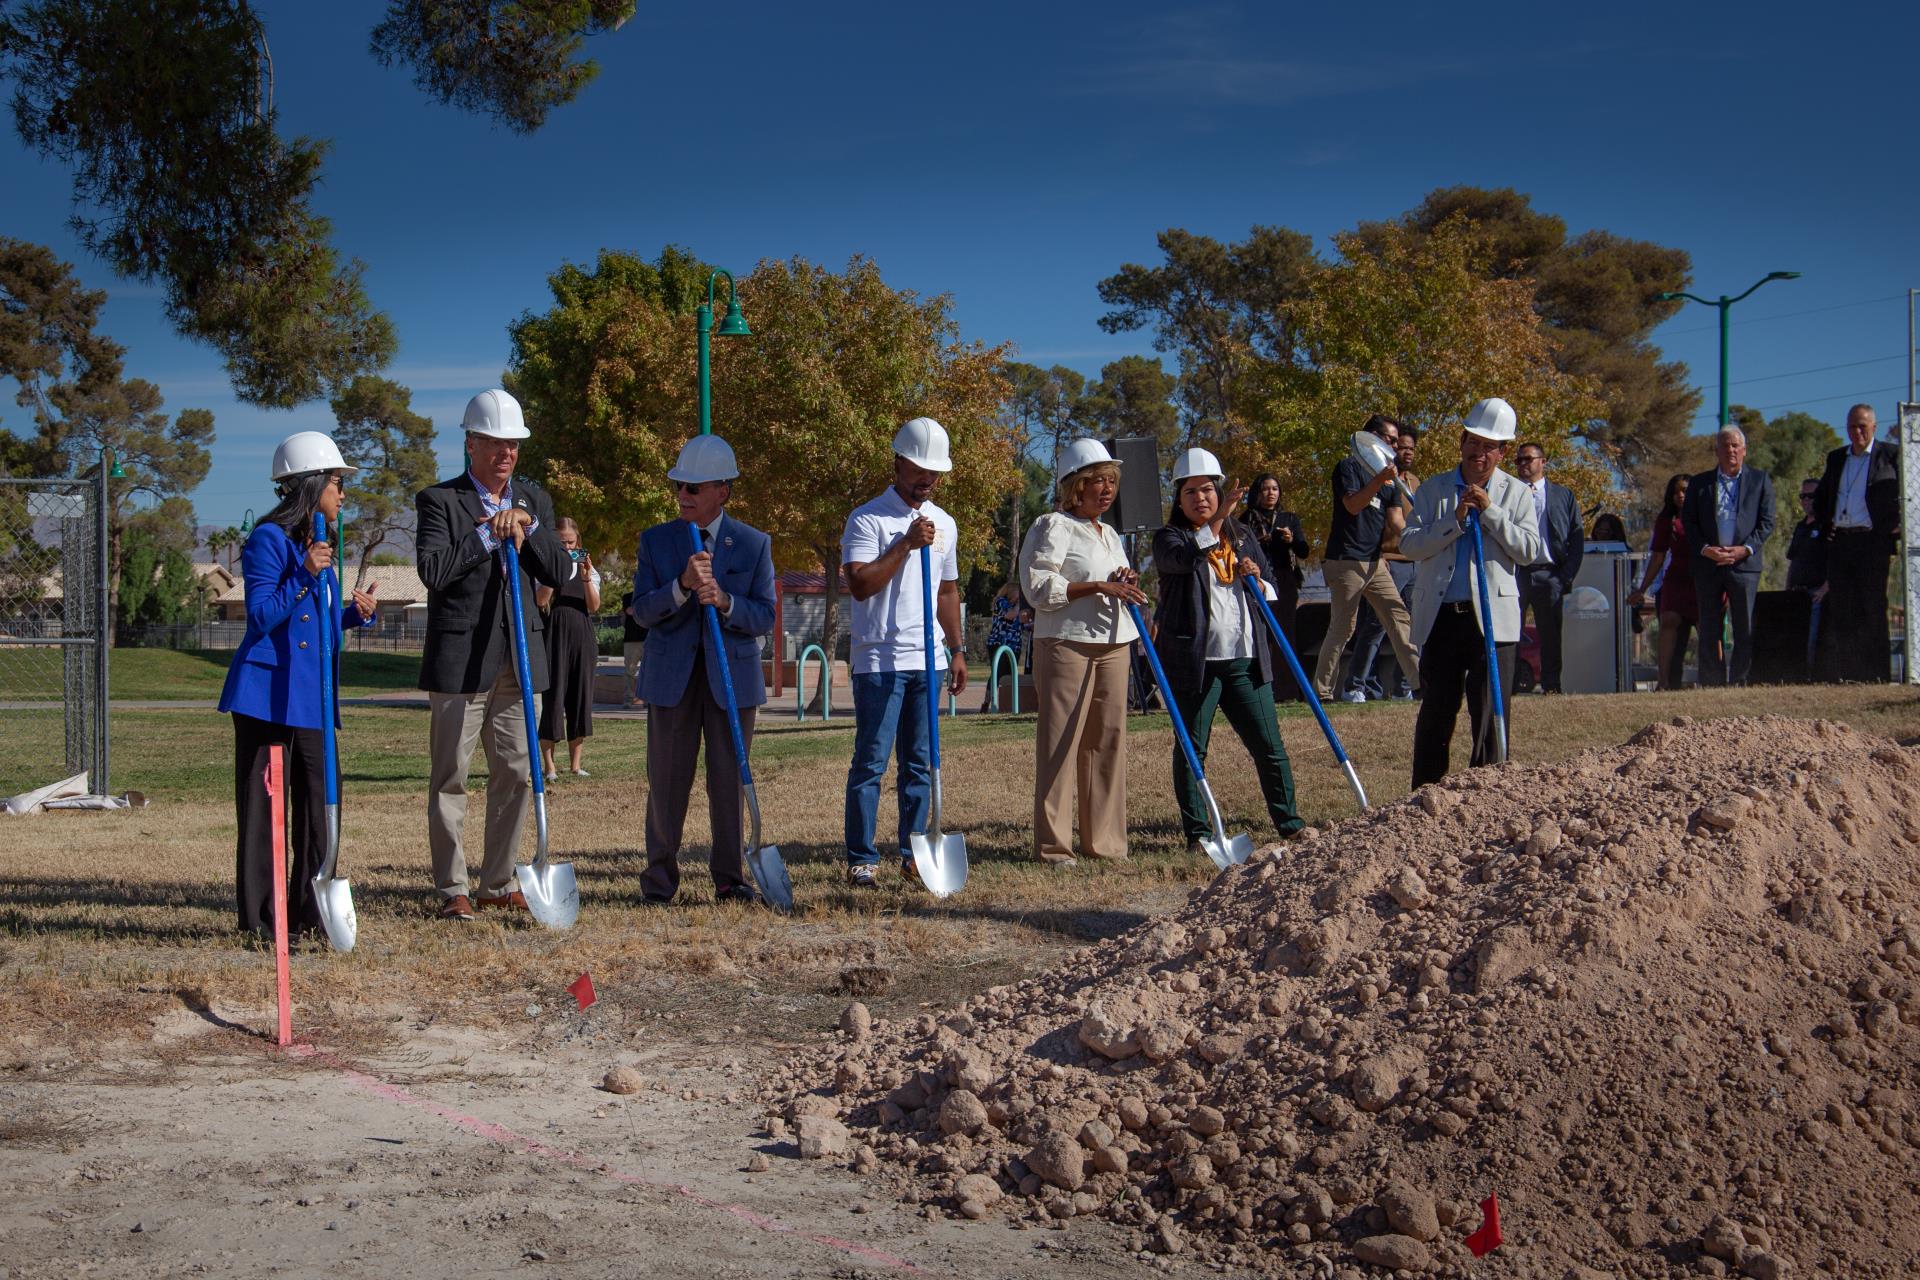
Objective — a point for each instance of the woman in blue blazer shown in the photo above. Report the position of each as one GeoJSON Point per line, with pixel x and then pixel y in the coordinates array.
{"type": "Point", "coordinates": [273, 684]}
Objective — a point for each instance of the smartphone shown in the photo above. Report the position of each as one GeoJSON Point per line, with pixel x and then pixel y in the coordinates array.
{"type": "Point", "coordinates": [575, 555]}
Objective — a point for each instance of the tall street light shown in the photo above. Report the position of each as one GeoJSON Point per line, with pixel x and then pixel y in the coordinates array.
{"type": "Point", "coordinates": [733, 326]}
{"type": "Point", "coordinates": [1724, 304]}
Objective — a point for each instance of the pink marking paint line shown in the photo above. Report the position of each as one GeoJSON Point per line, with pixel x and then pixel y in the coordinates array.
{"type": "Point", "coordinates": [503, 1136]}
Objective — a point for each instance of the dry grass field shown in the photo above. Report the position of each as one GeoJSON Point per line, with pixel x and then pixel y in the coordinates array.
{"type": "Point", "coordinates": [109, 919]}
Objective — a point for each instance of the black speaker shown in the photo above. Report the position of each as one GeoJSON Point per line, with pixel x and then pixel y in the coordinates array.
{"type": "Point", "coordinates": [1136, 507]}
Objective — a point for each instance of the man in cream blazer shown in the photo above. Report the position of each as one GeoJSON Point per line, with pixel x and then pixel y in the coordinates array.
{"type": "Point", "coordinates": [1446, 590]}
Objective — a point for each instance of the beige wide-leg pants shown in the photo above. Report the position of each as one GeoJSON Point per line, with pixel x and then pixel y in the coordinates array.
{"type": "Point", "coordinates": [1081, 749]}
{"type": "Point", "coordinates": [496, 720]}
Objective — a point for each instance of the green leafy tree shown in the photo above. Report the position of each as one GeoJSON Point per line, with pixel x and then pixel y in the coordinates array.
{"type": "Point", "coordinates": [1596, 293]}
{"type": "Point", "coordinates": [1413, 325]}
{"type": "Point", "coordinates": [1790, 448]}
{"type": "Point", "coordinates": [513, 62]}
{"type": "Point", "coordinates": [1220, 309]}
{"type": "Point", "coordinates": [163, 110]}
{"type": "Point", "coordinates": [393, 446]}
{"type": "Point", "coordinates": [1134, 397]}
{"type": "Point", "coordinates": [810, 402]}
{"type": "Point", "coordinates": [157, 585]}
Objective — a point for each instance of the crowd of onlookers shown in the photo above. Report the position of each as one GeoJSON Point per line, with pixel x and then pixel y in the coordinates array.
{"type": "Point", "coordinates": [1700, 606]}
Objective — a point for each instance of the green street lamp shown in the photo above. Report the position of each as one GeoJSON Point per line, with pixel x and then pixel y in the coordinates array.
{"type": "Point", "coordinates": [110, 463]}
{"type": "Point", "coordinates": [1724, 303]}
{"type": "Point", "coordinates": [734, 325]}
{"type": "Point", "coordinates": [246, 523]}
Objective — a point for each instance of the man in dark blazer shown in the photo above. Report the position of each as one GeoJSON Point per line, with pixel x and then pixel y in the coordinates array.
{"type": "Point", "coordinates": [1728, 514]}
{"type": "Point", "coordinates": [681, 679]}
{"type": "Point", "coordinates": [468, 669]}
{"type": "Point", "coordinates": [1858, 508]}
{"type": "Point", "coordinates": [1544, 584]}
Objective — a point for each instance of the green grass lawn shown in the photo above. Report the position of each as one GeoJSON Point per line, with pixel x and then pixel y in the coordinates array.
{"type": "Point", "coordinates": [160, 674]}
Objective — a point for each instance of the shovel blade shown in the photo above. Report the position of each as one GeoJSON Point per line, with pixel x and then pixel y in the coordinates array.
{"type": "Point", "coordinates": [334, 899]}
{"type": "Point", "coordinates": [1230, 852]}
{"type": "Point", "coordinates": [940, 861]}
{"type": "Point", "coordinates": [770, 873]}
{"type": "Point", "coordinates": [551, 894]}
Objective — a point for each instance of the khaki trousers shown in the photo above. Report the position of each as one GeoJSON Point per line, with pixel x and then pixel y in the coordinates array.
{"type": "Point", "coordinates": [1352, 581]}
{"type": "Point", "coordinates": [1081, 748]}
{"type": "Point", "coordinates": [497, 720]}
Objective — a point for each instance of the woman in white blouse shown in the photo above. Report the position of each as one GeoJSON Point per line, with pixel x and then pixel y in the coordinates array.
{"type": "Point", "coordinates": [1075, 573]}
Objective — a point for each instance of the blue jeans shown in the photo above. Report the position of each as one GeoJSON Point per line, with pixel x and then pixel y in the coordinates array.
{"type": "Point", "coordinates": [889, 715]}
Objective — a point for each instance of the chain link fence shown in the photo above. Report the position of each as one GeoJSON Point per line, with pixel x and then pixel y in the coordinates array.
{"type": "Point", "coordinates": [54, 633]}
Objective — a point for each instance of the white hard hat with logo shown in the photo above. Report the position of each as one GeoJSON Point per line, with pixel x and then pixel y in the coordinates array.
{"type": "Point", "coordinates": [496, 414]}
{"type": "Point", "coordinates": [923, 442]}
{"type": "Point", "coordinates": [1197, 462]}
{"type": "Point", "coordinates": [1492, 419]}
{"type": "Point", "coordinates": [1078, 456]}
{"type": "Point", "coordinates": [308, 451]}
{"type": "Point", "coordinates": [704, 459]}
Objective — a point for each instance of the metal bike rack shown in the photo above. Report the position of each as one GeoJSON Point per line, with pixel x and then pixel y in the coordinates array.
{"type": "Point", "coordinates": [993, 677]}
{"type": "Point", "coordinates": [800, 683]}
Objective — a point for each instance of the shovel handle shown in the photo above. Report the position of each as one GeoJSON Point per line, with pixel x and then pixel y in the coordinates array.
{"type": "Point", "coordinates": [1166, 695]}
{"type": "Point", "coordinates": [1498, 728]}
{"type": "Point", "coordinates": [933, 676]}
{"type": "Point", "coordinates": [717, 639]}
{"type": "Point", "coordinates": [521, 666]}
{"type": "Point", "coordinates": [1312, 695]}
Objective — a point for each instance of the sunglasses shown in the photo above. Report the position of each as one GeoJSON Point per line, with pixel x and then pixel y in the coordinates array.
{"type": "Point", "coordinates": [694, 489]}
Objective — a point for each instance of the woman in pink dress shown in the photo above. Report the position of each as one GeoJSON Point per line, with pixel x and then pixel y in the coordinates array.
{"type": "Point", "coordinates": [1679, 608]}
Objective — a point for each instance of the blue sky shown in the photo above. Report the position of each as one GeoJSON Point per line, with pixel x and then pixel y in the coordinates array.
{"type": "Point", "coordinates": [1013, 155]}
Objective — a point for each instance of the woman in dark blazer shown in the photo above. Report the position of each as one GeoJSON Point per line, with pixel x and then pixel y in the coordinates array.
{"type": "Point", "coordinates": [273, 687]}
{"type": "Point", "coordinates": [1213, 647]}
{"type": "Point", "coordinates": [1284, 540]}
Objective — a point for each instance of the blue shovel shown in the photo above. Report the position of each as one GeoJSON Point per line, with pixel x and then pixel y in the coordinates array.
{"type": "Point", "coordinates": [551, 892]}
{"type": "Point", "coordinates": [1486, 633]}
{"type": "Point", "coordinates": [769, 869]}
{"type": "Point", "coordinates": [1306, 688]}
{"type": "Point", "coordinates": [1225, 850]}
{"type": "Point", "coordinates": [332, 895]}
{"type": "Point", "coordinates": [939, 860]}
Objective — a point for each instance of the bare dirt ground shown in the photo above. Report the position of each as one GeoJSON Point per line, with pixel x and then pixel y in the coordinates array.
{"type": "Point", "coordinates": [453, 1125]}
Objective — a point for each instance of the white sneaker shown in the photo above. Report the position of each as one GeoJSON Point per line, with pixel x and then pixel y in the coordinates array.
{"type": "Point", "coordinates": [581, 773]}
{"type": "Point", "coordinates": [1353, 695]}
{"type": "Point", "coordinates": [860, 876]}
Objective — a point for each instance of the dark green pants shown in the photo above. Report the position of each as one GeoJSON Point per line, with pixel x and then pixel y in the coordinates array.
{"type": "Point", "coordinates": [1233, 688]}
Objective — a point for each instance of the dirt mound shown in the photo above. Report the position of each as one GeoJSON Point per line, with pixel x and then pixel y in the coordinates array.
{"type": "Point", "coordinates": [1660, 999]}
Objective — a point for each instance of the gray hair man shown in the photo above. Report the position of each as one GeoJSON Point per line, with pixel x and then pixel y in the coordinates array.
{"type": "Point", "coordinates": [1728, 515]}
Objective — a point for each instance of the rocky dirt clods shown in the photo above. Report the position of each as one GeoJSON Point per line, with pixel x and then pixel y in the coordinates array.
{"type": "Point", "coordinates": [1660, 998]}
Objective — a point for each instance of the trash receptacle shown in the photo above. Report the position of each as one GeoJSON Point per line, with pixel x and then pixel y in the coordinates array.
{"type": "Point", "coordinates": [1597, 634]}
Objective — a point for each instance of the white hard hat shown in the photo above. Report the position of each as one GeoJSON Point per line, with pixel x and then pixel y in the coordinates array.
{"type": "Point", "coordinates": [923, 442]}
{"type": "Point", "coordinates": [307, 451]}
{"type": "Point", "coordinates": [1492, 419]}
{"type": "Point", "coordinates": [1197, 462]}
{"type": "Point", "coordinates": [495, 413]}
{"type": "Point", "coordinates": [1078, 456]}
{"type": "Point", "coordinates": [704, 458]}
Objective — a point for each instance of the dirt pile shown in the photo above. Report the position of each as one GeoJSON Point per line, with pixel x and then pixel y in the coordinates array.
{"type": "Point", "coordinates": [1661, 999]}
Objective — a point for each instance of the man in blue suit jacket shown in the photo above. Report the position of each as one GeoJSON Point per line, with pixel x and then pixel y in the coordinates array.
{"type": "Point", "coordinates": [680, 678]}
{"type": "Point", "coordinates": [1727, 514]}
{"type": "Point", "coordinates": [1545, 583]}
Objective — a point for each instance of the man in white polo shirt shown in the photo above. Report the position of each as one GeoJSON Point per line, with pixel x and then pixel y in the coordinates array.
{"type": "Point", "coordinates": [881, 551]}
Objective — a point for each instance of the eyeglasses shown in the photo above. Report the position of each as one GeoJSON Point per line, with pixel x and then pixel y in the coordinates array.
{"type": "Point", "coordinates": [338, 482]}
{"type": "Point", "coordinates": [694, 489]}
{"type": "Point", "coordinates": [1808, 497]}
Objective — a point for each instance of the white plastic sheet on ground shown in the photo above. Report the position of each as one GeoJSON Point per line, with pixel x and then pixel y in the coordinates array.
{"type": "Point", "coordinates": [68, 793]}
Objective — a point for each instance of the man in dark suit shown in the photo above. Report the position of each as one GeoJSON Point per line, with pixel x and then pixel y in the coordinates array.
{"type": "Point", "coordinates": [681, 678]}
{"type": "Point", "coordinates": [468, 669]}
{"type": "Point", "coordinates": [1544, 584]}
{"type": "Point", "coordinates": [1728, 514]}
{"type": "Point", "coordinates": [1858, 508]}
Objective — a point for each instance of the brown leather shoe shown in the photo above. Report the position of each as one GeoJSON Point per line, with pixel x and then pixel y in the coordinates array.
{"type": "Point", "coordinates": [510, 901]}
{"type": "Point", "coordinates": [456, 908]}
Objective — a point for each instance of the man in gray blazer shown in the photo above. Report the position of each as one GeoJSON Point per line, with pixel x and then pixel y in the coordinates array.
{"type": "Point", "coordinates": [1447, 624]}
{"type": "Point", "coordinates": [468, 669]}
{"type": "Point", "coordinates": [673, 581]}
{"type": "Point", "coordinates": [1728, 513]}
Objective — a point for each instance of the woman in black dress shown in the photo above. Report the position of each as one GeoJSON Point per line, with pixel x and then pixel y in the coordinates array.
{"type": "Point", "coordinates": [573, 649]}
{"type": "Point", "coordinates": [1283, 538]}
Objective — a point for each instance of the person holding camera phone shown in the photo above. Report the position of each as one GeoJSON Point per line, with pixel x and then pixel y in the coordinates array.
{"type": "Point", "coordinates": [573, 648]}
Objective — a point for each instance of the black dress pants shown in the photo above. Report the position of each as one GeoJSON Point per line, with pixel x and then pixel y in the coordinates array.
{"type": "Point", "coordinates": [306, 781]}
{"type": "Point", "coordinates": [1854, 614]}
{"type": "Point", "coordinates": [1725, 592]}
{"type": "Point", "coordinates": [1542, 592]}
{"type": "Point", "coordinates": [1453, 665]}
